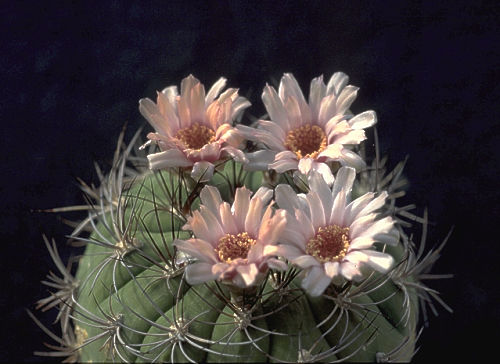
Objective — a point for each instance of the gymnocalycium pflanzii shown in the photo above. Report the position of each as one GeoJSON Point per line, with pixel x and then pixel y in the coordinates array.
{"type": "Point", "coordinates": [282, 241]}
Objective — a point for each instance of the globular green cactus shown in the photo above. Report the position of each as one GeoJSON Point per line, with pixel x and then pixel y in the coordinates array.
{"type": "Point", "coordinates": [142, 292]}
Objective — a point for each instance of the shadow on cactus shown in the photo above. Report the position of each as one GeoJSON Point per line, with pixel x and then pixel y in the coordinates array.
{"type": "Point", "coordinates": [216, 241]}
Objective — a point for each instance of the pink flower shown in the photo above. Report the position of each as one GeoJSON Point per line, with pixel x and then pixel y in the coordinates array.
{"type": "Point", "coordinates": [229, 241]}
{"type": "Point", "coordinates": [304, 135]}
{"type": "Point", "coordinates": [328, 236]}
{"type": "Point", "coordinates": [194, 130]}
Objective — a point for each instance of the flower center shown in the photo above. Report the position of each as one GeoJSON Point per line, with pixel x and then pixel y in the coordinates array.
{"type": "Point", "coordinates": [196, 136]}
{"type": "Point", "coordinates": [232, 247]}
{"type": "Point", "coordinates": [306, 141]}
{"type": "Point", "coordinates": [330, 243]}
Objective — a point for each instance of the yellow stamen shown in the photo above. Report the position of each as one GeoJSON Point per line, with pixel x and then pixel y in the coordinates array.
{"type": "Point", "coordinates": [330, 244]}
{"type": "Point", "coordinates": [306, 141]}
{"type": "Point", "coordinates": [231, 247]}
{"type": "Point", "coordinates": [196, 136]}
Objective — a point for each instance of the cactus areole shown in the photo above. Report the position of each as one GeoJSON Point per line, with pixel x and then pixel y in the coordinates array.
{"type": "Point", "coordinates": [218, 253]}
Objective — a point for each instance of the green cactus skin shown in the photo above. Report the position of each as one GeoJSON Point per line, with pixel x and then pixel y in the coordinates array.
{"type": "Point", "coordinates": [133, 304]}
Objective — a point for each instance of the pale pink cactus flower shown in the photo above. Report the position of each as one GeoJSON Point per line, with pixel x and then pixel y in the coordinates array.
{"type": "Point", "coordinates": [194, 130]}
{"type": "Point", "coordinates": [229, 241]}
{"type": "Point", "coordinates": [305, 136]}
{"type": "Point", "coordinates": [330, 238]}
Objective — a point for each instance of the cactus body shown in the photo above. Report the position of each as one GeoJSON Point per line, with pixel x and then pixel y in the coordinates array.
{"type": "Point", "coordinates": [134, 305]}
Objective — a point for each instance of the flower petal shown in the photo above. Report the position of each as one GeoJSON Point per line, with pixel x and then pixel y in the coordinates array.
{"type": "Point", "coordinates": [197, 248]}
{"type": "Point", "coordinates": [315, 282]}
{"type": "Point", "coordinates": [248, 273]}
{"type": "Point", "coordinates": [364, 120]}
{"type": "Point", "coordinates": [167, 159]}
{"type": "Point", "coordinates": [275, 108]}
{"type": "Point", "coordinates": [345, 179]}
{"type": "Point", "coordinates": [198, 273]}
{"type": "Point", "coordinates": [214, 91]}
{"type": "Point", "coordinates": [336, 83]}
{"type": "Point", "coordinates": [202, 171]}
{"type": "Point", "coordinates": [240, 206]}
{"type": "Point", "coordinates": [259, 160]}
{"type": "Point", "coordinates": [210, 197]}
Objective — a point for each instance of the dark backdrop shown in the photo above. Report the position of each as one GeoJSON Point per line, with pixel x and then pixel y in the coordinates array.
{"type": "Point", "coordinates": [72, 73]}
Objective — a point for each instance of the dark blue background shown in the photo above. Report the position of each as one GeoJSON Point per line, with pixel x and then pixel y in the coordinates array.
{"type": "Point", "coordinates": [72, 73]}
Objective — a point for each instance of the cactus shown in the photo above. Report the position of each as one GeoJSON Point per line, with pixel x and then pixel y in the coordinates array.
{"type": "Point", "coordinates": [147, 288]}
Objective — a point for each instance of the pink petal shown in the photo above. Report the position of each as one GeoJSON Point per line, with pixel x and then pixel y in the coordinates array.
{"type": "Point", "coordinates": [381, 262]}
{"type": "Point", "coordinates": [361, 224]}
{"type": "Point", "coordinates": [277, 264]}
{"type": "Point", "coordinates": [150, 111]}
{"type": "Point", "coordinates": [227, 219]}
{"type": "Point", "coordinates": [324, 170]}
{"type": "Point", "coordinates": [210, 152]}
{"type": "Point", "coordinates": [333, 151]}
{"type": "Point", "coordinates": [315, 282]}
{"type": "Point", "coordinates": [353, 209]}
{"type": "Point", "coordinates": [202, 171]}
{"type": "Point", "coordinates": [349, 270]}
{"type": "Point", "coordinates": [183, 112]}
{"type": "Point", "coordinates": [362, 242]}
{"type": "Point", "coordinates": [336, 83]}
{"type": "Point", "coordinates": [197, 248]}
{"type": "Point", "coordinates": [259, 160]}
{"type": "Point", "coordinates": [167, 159]}
{"type": "Point", "coordinates": [390, 238]}
{"type": "Point", "coordinates": [382, 226]}
{"type": "Point", "coordinates": [316, 208]}
{"type": "Point", "coordinates": [273, 128]}
{"type": "Point", "coordinates": [331, 269]}
{"type": "Point", "coordinates": [305, 261]}
{"type": "Point", "coordinates": [284, 165]}
{"type": "Point", "coordinates": [210, 197]}
{"type": "Point", "coordinates": [317, 91]}
{"type": "Point", "coordinates": [318, 184]}
{"type": "Point", "coordinates": [240, 206]}
{"type": "Point", "coordinates": [292, 236]}
{"type": "Point", "coordinates": [271, 228]}
{"type": "Point", "coordinates": [199, 273]}
{"type": "Point", "coordinates": [248, 273]}
{"type": "Point", "coordinates": [212, 221]}
{"type": "Point", "coordinates": [234, 153]}
{"type": "Point", "coordinates": [327, 109]}
{"type": "Point", "coordinates": [264, 193]}
{"type": "Point", "coordinates": [305, 165]}
{"type": "Point", "coordinates": [292, 109]}
{"type": "Point", "coordinates": [346, 98]}
{"type": "Point", "coordinates": [262, 136]}
{"type": "Point", "coordinates": [351, 159]}
{"type": "Point", "coordinates": [305, 225]}
{"type": "Point", "coordinates": [171, 93]}
{"type": "Point", "coordinates": [336, 125]}
{"type": "Point", "coordinates": [238, 106]}
{"type": "Point", "coordinates": [215, 90]}
{"type": "Point", "coordinates": [363, 120]}
{"type": "Point", "coordinates": [344, 181]}
{"type": "Point", "coordinates": [286, 251]}
{"type": "Point", "coordinates": [274, 107]}
{"type": "Point", "coordinates": [253, 217]}
{"type": "Point", "coordinates": [201, 230]}
{"type": "Point", "coordinates": [375, 204]}
{"type": "Point", "coordinates": [289, 88]}
{"type": "Point", "coordinates": [168, 109]}
{"type": "Point", "coordinates": [351, 137]}
{"type": "Point", "coordinates": [286, 198]}
{"type": "Point", "coordinates": [337, 216]}
{"type": "Point", "coordinates": [197, 103]}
